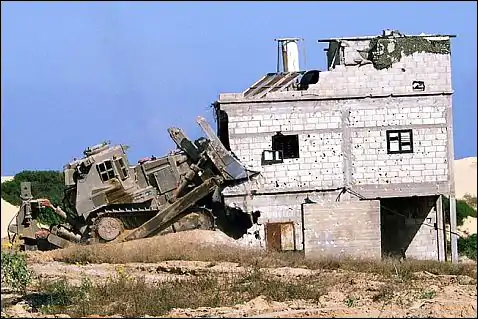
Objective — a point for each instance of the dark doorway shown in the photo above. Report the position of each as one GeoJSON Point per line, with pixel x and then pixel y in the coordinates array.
{"type": "Point", "coordinates": [401, 218]}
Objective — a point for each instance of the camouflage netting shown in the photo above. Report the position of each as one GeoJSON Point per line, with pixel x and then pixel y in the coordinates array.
{"type": "Point", "coordinates": [384, 51]}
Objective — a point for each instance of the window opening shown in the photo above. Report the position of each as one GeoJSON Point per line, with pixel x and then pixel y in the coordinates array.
{"type": "Point", "coordinates": [399, 141]}
{"type": "Point", "coordinates": [271, 157]}
{"type": "Point", "coordinates": [106, 170]}
{"type": "Point", "coordinates": [287, 144]}
{"type": "Point", "coordinates": [123, 168]}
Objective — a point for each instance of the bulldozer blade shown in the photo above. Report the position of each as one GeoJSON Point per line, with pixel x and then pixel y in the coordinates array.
{"type": "Point", "coordinates": [229, 166]}
{"type": "Point", "coordinates": [165, 217]}
{"type": "Point", "coordinates": [185, 144]}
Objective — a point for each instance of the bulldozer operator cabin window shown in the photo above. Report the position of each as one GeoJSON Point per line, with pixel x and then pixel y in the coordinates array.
{"type": "Point", "coordinates": [106, 170]}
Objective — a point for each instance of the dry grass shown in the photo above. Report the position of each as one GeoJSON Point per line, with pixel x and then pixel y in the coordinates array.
{"type": "Point", "coordinates": [133, 297]}
{"type": "Point", "coordinates": [161, 249]}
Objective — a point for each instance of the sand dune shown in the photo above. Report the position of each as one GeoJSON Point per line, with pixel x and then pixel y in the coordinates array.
{"type": "Point", "coordinates": [465, 176]}
{"type": "Point", "coordinates": [8, 210]}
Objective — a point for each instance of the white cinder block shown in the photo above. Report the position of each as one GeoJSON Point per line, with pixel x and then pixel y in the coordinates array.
{"type": "Point", "coordinates": [321, 148]}
{"type": "Point", "coordinates": [254, 123]}
{"type": "Point", "coordinates": [250, 130]}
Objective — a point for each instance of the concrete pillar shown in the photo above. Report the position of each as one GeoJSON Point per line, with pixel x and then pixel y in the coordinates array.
{"type": "Point", "coordinates": [441, 232]}
{"type": "Point", "coordinates": [453, 233]}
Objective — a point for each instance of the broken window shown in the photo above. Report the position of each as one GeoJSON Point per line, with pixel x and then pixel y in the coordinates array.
{"type": "Point", "coordinates": [223, 128]}
{"type": "Point", "coordinates": [272, 157]}
{"type": "Point", "coordinates": [418, 86]}
{"type": "Point", "coordinates": [288, 144]}
{"type": "Point", "coordinates": [106, 170]}
{"type": "Point", "coordinates": [335, 54]}
{"type": "Point", "coordinates": [399, 141]}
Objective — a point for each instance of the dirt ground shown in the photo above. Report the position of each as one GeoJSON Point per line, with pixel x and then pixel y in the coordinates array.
{"type": "Point", "coordinates": [353, 296]}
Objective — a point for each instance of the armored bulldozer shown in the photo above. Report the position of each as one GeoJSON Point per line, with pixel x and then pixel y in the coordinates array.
{"type": "Point", "coordinates": [109, 200]}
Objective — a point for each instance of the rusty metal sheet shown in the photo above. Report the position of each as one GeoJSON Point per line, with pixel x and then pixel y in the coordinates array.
{"type": "Point", "coordinates": [280, 236]}
{"type": "Point", "coordinates": [287, 236]}
{"type": "Point", "coordinates": [273, 236]}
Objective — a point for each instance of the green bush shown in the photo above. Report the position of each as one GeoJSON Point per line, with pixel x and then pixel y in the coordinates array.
{"type": "Point", "coordinates": [15, 272]}
{"type": "Point", "coordinates": [467, 246]}
{"type": "Point", "coordinates": [463, 210]}
{"type": "Point", "coordinates": [45, 184]}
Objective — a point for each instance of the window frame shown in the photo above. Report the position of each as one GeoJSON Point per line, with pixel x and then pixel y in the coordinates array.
{"type": "Point", "coordinates": [277, 157]}
{"type": "Point", "coordinates": [122, 168]}
{"type": "Point", "coordinates": [106, 170]}
{"type": "Point", "coordinates": [276, 143]}
{"type": "Point", "coordinates": [399, 139]}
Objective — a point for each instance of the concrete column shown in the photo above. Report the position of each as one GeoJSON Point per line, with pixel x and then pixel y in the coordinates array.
{"type": "Point", "coordinates": [453, 233]}
{"type": "Point", "coordinates": [346, 150]}
{"type": "Point", "coordinates": [441, 232]}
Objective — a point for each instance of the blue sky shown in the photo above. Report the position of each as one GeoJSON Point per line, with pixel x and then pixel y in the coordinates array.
{"type": "Point", "coordinates": [78, 73]}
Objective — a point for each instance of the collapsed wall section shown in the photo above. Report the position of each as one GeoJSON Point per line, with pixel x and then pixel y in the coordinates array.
{"type": "Point", "coordinates": [278, 208]}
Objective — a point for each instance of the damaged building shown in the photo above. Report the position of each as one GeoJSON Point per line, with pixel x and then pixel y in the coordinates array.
{"type": "Point", "coordinates": [353, 160]}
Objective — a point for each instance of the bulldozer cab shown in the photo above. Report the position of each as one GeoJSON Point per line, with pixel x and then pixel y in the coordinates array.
{"type": "Point", "coordinates": [103, 169]}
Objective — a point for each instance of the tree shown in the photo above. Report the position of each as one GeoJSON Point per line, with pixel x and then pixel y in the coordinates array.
{"type": "Point", "coordinates": [463, 210]}
{"type": "Point", "coordinates": [467, 246]}
{"type": "Point", "coordinates": [45, 184]}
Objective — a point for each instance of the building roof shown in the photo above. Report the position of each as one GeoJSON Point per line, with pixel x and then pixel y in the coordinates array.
{"type": "Point", "coordinates": [271, 82]}
{"type": "Point", "coordinates": [372, 37]}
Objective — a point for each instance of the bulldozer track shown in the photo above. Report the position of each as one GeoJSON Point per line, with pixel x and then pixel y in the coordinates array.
{"type": "Point", "coordinates": [133, 217]}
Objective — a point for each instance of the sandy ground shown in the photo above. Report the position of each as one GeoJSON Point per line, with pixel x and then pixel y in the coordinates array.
{"type": "Point", "coordinates": [469, 227]}
{"type": "Point", "coordinates": [455, 296]}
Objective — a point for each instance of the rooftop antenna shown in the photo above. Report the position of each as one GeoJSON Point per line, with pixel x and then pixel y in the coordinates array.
{"type": "Point", "coordinates": [288, 49]}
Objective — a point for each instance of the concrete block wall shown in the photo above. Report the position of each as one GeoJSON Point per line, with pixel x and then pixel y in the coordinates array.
{"type": "Point", "coordinates": [341, 123]}
{"type": "Point", "coordinates": [331, 129]}
{"type": "Point", "coordinates": [425, 115]}
{"type": "Point", "coordinates": [251, 127]}
{"type": "Point", "coordinates": [343, 228]}
{"type": "Point", "coordinates": [372, 165]}
{"type": "Point", "coordinates": [278, 208]}
{"type": "Point", "coordinates": [425, 242]}
{"type": "Point", "coordinates": [354, 80]}
{"type": "Point", "coordinates": [403, 111]}
{"type": "Point", "coordinates": [350, 51]}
